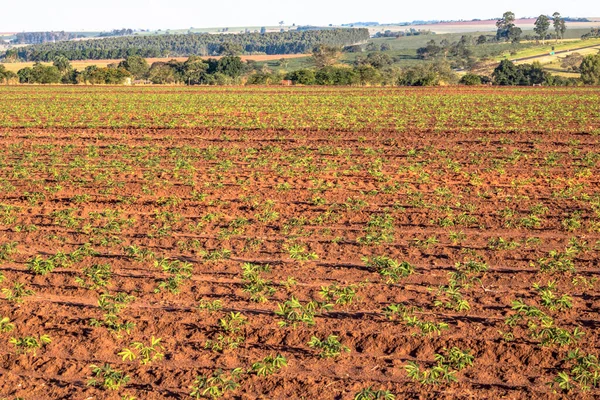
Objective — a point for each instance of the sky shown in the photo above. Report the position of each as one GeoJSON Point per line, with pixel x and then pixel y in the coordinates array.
{"type": "Point", "coordinates": [44, 15]}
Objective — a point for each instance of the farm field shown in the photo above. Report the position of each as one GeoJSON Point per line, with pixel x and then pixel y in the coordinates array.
{"type": "Point", "coordinates": [301, 243]}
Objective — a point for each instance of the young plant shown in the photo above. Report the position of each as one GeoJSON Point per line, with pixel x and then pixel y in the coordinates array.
{"type": "Point", "coordinates": [40, 266]}
{"type": "Point", "coordinates": [584, 372]}
{"type": "Point", "coordinates": [231, 333]}
{"type": "Point", "coordinates": [107, 378]}
{"type": "Point", "coordinates": [293, 312]}
{"type": "Point", "coordinates": [444, 370]}
{"type": "Point", "coordinates": [339, 295]}
{"type": "Point", "coordinates": [269, 365]}
{"type": "Point", "coordinates": [260, 289]}
{"type": "Point", "coordinates": [298, 252]}
{"type": "Point", "coordinates": [30, 344]}
{"type": "Point", "coordinates": [95, 277]}
{"type": "Point", "coordinates": [112, 305]}
{"type": "Point", "coordinates": [329, 347]}
{"type": "Point", "coordinates": [390, 269]}
{"type": "Point", "coordinates": [217, 385]}
{"type": "Point", "coordinates": [210, 306]}
{"type": "Point", "coordinates": [371, 394]}
{"type": "Point", "coordinates": [17, 293]}
{"type": "Point", "coordinates": [407, 316]}
{"type": "Point", "coordinates": [146, 352]}
{"type": "Point", "coordinates": [379, 229]}
{"type": "Point", "coordinates": [6, 325]}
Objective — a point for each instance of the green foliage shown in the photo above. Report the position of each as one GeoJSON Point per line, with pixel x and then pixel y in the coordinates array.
{"type": "Point", "coordinates": [17, 293]}
{"type": "Point", "coordinates": [95, 277]}
{"type": "Point", "coordinates": [445, 369]}
{"type": "Point", "coordinates": [111, 306]}
{"type": "Point", "coordinates": [293, 312]}
{"type": "Point", "coordinates": [300, 42]}
{"type": "Point", "coordinates": [329, 347]}
{"type": "Point", "coordinates": [147, 353]}
{"type": "Point", "coordinates": [107, 378]}
{"type": "Point", "coordinates": [6, 325]}
{"type": "Point", "coordinates": [409, 318]}
{"type": "Point", "coordinates": [260, 289]}
{"type": "Point", "coordinates": [269, 365]}
{"type": "Point", "coordinates": [339, 295]}
{"type": "Point", "coordinates": [583, 372]}
{"type": "Point", "coordinates": [30, 344]}
{"type": "Point", "coordinates": [217, 385]}
{"type": "Point", "coordinates": [392, 270]}
{"type": "Point", "coordinates": [371, 394]}
{"type": "Point", "coordinates": [379, 229]}
{"type": "Point", "coordinates": [230, 335]}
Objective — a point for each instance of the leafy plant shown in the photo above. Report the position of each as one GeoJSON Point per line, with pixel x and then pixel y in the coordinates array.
{"type": "Point", "coordinates": [390, 269]}
{"type": "Point", "coordinates": [147, 353]}
{"type": "Point", "coordinates": [269, 365]}
{"type": "Point", "coordinates": [17, 293]}
{"type": "Point", "coordinates": [340, 295]}
{"type": "Point", "coordinates": [230, 337]}
{"type": "Point", "coordinates": [371, 394]}
{"type": "Point", "coordinates": [107, 378]}
{"type": "Point", "coordinates": [408, 317]}
{"type": "Point", "coordinates": [217, 385]}
{"type": "Point", "coordinates": [6, 325]}
{"type": "Point", "coordinates": [330, 347]}
{"type": "Point", "coordinates": [258, 288]}
{"type": "Point", "coordinates": [379, 229]}
{"type": "Point", "coordinates": [444, 370]}
{"type": "Point", "coordinates": [112, 305]}
{"type": "Point", "coordinates": [30, 344]}
{"type": "Point", "coordinates": [584, 372]}
{"type": "Point", "coordinates": [294, 312]}
{"type": "Point", "coordinates": [95, 277]}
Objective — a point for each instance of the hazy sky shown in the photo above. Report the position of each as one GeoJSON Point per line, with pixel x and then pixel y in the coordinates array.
{"type": "Point", "coordinates": [42, 15]}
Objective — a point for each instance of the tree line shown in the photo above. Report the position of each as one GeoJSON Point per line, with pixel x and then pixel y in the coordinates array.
{"type": "Point", "coordinates": [376, 68]}
{"type": "Point", "coordinates": [43, 37]}
{"type": "Point", "coordinates": [183, 45]}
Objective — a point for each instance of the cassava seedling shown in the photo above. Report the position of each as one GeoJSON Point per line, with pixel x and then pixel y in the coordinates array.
{"type": "Point", "coordinates": [107, 378]}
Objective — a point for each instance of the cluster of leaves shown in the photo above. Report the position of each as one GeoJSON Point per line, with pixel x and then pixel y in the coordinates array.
{"type": "Point", "coordinates": [445, 368]}
{"type": "Point", "coordinates": [30, 344]}
{"type": "Point", "coordinates": [407, 315]}
{"type": "Point", "coordinates": [390, 269]}
{"type": "Point", "coordinates": [112, 306]}
{"type": "Point", "coordinates": [583, 372]}
{"type": "Point", "coordinates": [292, 312]}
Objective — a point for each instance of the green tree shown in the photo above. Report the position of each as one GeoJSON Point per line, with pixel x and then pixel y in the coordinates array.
{"type": "Point", "coordinates": [301, 77]}
{"type": "Point", "coordinates": [507, 74]}
{"type": "Point", "coordinates": [559, 25]}
{"type": "Point", "coordinates": [470, 80]}
{"type": "Point", "coordinates": [161, 74]}
{"type": "Point", "coordinates": [590, 70]}
{"type": "Point", "coordinates": [542, 24]}
{"type": "Point", "coordinates": [194, 70]}
{"type": "Point", "coordinates": [229, 49]}
{"type": "Point", "coordinates": [45, 74]}
{"type": "Point", "coordinates": [24, 75]}
{"type": "Point", "coordinates": [62, 63]}
{"type": "Point", "coordinates": [377, 60]}
{"type": "Point", "coordinates": [507, 30]}
{"type": "Point", "coordinates": [428, 74]}
{"type": "Point", "coordinates": [6, 75]}
{"type": "Point", "coordinates": [136, 66]}
{"type": "Point", "coordinates": [231, 66]}
{"type": "Point", "coordinates": [324, 56]}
